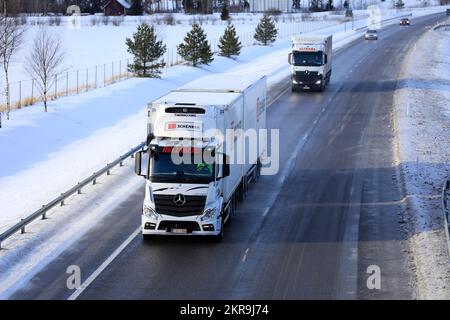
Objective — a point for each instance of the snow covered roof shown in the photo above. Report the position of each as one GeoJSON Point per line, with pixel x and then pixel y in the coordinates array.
{"type": "Point", "coordinates": [226, 82]}
{"type": "Point", "coordinates": [123, 3]}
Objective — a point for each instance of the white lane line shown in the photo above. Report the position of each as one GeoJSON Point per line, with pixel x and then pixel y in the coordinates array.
{"type": "Point", "coordinates": [104, 265]}
{"type": "Point", "coordinates": [245, 254]}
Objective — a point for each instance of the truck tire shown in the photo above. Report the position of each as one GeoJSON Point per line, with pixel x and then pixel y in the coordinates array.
{"type": "Point", "coordinates": [219, 237]}
{"type": "Point", "coordinates": [148, 237]}
{"type": "Point", "coordinates": [293, 89]}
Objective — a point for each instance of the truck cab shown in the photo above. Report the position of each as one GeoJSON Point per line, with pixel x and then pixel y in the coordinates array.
{"type": "Point", "coordinates": [311, 62]}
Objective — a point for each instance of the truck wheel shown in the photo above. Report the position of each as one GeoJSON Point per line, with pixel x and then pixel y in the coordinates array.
{"type": "Point", "coordinates": [293, 89]}
{"type": "Point", "coordinates": [148, 237]}
{"type": "Point", "coordinates": [258, 169]}
{"type": "Point", "coordinates": [219, 237]}
{"type": "Point", "coordinates": [322, 87]}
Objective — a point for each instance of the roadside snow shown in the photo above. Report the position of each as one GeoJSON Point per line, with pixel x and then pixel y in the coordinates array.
{"type": "Point", "coordinates": [423, 143]}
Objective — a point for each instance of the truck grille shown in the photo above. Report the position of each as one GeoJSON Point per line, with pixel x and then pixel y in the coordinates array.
{"type": "Point", "coordinates": [302, 76]}
{"type": "Point", "coordinates": [193, 206]}
{"type": "Point", "coordinates": [188, 225]}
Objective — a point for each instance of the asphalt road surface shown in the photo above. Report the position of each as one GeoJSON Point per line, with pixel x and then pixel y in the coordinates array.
{"type": "Point", "coordinates": [309, 232]}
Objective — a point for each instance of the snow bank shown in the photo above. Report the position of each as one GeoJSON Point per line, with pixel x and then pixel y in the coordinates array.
{"type": "Point", "coordinates": [423, 142]}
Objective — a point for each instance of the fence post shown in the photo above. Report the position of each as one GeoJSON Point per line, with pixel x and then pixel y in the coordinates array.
{"type": "Point", "coordinates": [56, 86]}
{"type": "Point", "coordinates": [20, 94]}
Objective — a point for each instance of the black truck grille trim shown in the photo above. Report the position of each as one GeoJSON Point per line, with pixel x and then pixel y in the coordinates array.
{"type": "Point", "coordinates": [190, 226]}
{"type": "Point", "coordinates": [311, 76]}
{"type": "Point", "coordinates": [194, 205]}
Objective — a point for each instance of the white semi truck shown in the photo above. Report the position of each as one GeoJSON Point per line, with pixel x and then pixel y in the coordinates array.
{"type": "Point", "coordinates": [197, 164]}
{"type": "Point", "coordinates": [311, 59]}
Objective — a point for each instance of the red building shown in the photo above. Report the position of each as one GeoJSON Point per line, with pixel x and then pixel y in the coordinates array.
{"type": "Point", "coordinates": [116, 7]}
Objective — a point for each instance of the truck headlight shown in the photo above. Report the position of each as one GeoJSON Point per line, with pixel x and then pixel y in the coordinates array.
{"type": "Point", "coordinates": [294, 81]}
{"type": "Point", "coordinates": [208, 214]}
{"type": "Point", "coordinates": [318, 81]}
{"type": "Point", "coordinates": [150, 213]}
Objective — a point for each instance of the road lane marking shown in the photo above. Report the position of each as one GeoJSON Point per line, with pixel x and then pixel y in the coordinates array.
{"type": "Point", "coordinates": [245, 254]}
{"type": "Point", "coordinates": [104, 265]}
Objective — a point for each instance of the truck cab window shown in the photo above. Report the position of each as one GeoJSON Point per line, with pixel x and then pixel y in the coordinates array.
{"type": "Point", "coordinates": [308, 59]}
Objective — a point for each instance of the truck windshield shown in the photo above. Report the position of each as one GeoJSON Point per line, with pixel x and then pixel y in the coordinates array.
{"type": "Point", "coordinates": [162, 169]}
{"type": "Point", "coordinates": [308, 59]}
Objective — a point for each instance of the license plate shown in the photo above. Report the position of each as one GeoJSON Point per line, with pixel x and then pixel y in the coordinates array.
{"type": "Point", "coordinates": [178, 230]}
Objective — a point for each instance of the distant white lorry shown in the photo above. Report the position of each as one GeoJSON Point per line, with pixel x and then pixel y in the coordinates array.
{"type": "Point", "coordinates": [199, 195]}
{"type": "Point", "coordinates": [311, 60]}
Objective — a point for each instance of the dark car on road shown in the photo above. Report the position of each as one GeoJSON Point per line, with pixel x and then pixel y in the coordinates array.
{"type": "Point", "coordinates": [405, 22]}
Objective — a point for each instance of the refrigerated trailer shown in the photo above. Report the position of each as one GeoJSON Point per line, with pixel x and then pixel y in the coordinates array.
{"type": "Point", "coordinates": [198, 161]}
{"type": "Point", "coordinates": [311, 60]}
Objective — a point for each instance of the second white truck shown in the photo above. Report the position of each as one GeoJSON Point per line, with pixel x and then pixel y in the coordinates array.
{"type": "Point", "coordinates": [311, 60]}
{"type": "Point", "coordinates": [196, 164]}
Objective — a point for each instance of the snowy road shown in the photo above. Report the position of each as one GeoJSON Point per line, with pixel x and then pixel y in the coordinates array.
{"type": "Point", "coordinates": [336, 207]}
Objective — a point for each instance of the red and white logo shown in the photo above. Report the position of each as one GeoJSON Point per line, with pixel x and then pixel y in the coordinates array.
{"type": "Point", "coordinates": [171, 126]}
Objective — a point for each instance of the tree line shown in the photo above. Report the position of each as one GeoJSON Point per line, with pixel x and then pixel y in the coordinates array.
{"type": "Point", "coordinates": [148, 50]}
{"type": "Point", "coordinates": [138, 7]}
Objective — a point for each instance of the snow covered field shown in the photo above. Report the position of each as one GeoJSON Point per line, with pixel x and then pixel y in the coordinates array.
{"type": "Point", "coordinates": [423, 134]}
{"type": "Point", "coordinates": [99, 52]}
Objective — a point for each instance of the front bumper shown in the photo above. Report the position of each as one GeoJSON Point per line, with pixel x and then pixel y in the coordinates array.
{"type": "Point", "coordinates": [168, 224]}
{"type": "Point", "coordinates": [306, 81]}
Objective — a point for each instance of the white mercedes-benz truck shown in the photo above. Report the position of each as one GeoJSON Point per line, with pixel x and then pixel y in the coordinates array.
{"type": "Point", "coordinates": [311, 59]}
{"type": "Point", "coordinates": [197, 164]}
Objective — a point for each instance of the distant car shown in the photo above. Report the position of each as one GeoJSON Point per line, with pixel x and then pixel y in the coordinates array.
{"type": "Point", "coordinates": [371, 35]}
{"type": "Point", "coordinates": [405, 22]}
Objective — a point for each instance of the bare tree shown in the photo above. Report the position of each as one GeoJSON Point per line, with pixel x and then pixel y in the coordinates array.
{"type": "Point", "coordinates": [45, 61]}
{"type": "Point", "coordinates": [11, 38]}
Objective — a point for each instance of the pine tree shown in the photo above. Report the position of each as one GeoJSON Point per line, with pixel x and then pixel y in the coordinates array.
{"type": "Point", "coordinates": [229, 43]}
{"type": "Point", "coordinates": [136, 8]}
{"type": "Point", "coordinates": [224, 13]}
{"type": "Point", "coordinates": [196, 48]}
{"type": "Point", "coordinates": [266, 32]}
{"type": "Point", "coordinates": [147, 51]}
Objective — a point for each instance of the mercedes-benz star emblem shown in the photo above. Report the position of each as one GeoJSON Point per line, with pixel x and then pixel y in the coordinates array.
{"type": "Point", "coordinates": [179, 200]}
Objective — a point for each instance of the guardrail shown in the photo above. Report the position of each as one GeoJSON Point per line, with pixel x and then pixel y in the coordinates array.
{"type": "Point", "coordinates": [445, 26]}
{"type": "Point", "coordinates": [42, 212]}
{"type": "Point", "coordinates": [446, 210]}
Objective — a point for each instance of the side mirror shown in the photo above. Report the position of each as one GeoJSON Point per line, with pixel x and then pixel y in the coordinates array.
{"type": "Point", "coordinates": [138, 164]}
{"type": "Point", "coordinates": [290, 58]}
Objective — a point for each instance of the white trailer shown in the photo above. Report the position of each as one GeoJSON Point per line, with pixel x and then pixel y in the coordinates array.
{"type": "Point", "coordinates": [197, 162]}
{"type": "Point", "coordinates": [311, 60]}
